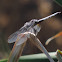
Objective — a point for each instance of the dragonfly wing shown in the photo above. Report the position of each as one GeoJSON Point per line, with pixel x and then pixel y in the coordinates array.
{"type": "Point", "coordinates": [21, 39]}
{"type": "Point", "coordinates": [12, 38]}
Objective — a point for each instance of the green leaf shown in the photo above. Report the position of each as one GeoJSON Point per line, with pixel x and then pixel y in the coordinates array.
{"type": "Point", "coordinates": [35, 58]}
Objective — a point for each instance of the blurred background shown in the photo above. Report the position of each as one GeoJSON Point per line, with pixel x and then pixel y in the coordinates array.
{"type": "Point", "coordinates": [13, 15]}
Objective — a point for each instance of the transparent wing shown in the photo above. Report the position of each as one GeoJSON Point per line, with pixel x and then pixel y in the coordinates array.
{"type": "Point", "coordinates": [21, 39]}
{"type": "Point", "coordinates": [12, 38]}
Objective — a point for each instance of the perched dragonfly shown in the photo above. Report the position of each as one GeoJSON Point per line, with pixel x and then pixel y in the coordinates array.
{"type": "Point", "coordinates": [20, 38]}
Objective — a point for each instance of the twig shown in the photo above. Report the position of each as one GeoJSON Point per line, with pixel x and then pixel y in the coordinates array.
{"type": "Point", "coordinates": [17, 49]}
{"type": "Point", "coordinates": [37, 42]}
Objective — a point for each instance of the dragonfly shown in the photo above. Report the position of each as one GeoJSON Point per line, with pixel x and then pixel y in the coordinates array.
{"type": "Point", "coordinates": [20, 37]}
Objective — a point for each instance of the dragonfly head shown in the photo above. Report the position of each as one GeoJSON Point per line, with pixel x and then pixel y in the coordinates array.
{"type": "Point", "coordinates": [35, 22]}
{"type": "Point", "coordinates": [31, 23]}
